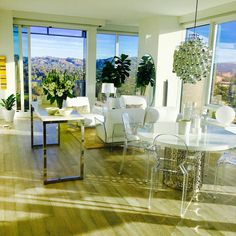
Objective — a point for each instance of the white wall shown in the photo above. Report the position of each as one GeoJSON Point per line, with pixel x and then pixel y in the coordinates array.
{"type": "Point", "coordinates": [159, 37]}
{"type": "Point", "coordinates": [7, 49]}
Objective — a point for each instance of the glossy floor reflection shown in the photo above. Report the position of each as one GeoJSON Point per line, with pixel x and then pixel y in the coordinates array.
{"type": "Point", "coordinates": [104, 203]}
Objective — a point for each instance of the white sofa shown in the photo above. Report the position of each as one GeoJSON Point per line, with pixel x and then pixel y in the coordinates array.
{"type": "Point", "coordinates": [125, 101]}
{"type": "Point", "coordinates": [111, 129]}
{"type": "Point", "coordinates": [82, 106]}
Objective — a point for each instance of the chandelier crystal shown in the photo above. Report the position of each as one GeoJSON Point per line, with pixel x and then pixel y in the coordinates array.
{"type": "Point", "coordinates": [192, 59]}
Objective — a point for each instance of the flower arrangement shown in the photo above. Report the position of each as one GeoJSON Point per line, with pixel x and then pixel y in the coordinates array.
{"type": "Point", "coordinates": [58, 86]}
{"type": "Point", "coordinates": [192, 60]}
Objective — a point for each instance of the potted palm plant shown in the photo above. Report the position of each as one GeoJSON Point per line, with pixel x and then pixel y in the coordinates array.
{"type": "Point", "coordinates": [8, 104]}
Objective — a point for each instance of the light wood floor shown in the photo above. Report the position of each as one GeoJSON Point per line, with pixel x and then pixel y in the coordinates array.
{"type": "Point", "coordinates": [104, 203]}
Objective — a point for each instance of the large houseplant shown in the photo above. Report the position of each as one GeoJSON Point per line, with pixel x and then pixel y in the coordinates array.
{"type": "Point", "coordinates": [116, 70]}
{"type": "Point", "coordinates": [8, 104]}
{"type": "Point", "coordinates": [58, 86]}
{"type": "Point", "coordinates": [146, 73]}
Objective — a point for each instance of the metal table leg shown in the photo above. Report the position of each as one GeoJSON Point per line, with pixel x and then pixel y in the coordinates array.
{"type": "Point", "coordinates": [44, 152]}
{"type": "Point", "coordinates": [66, 178]}
{"type": "Point", "coordinates": [32, 125]}
{"type": "Point", "coordinates": [82, 150]}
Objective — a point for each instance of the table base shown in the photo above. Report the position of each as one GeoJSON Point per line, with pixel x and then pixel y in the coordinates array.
{"type": "Point", "coordinates": [194, 166]}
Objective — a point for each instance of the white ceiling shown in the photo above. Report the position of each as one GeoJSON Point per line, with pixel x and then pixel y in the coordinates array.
{"type": "Point", "coordinates": [128, 12]}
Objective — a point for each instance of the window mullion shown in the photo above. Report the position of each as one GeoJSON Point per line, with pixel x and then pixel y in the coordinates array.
{"type": "Point", "coordinates": [212, 45]}
{"type": "Point", "coordinates": [29, 66]}
{"type": "Point", "coordinates": [117, 45]}
{"type": "Point", "coordinates": [22, 92]}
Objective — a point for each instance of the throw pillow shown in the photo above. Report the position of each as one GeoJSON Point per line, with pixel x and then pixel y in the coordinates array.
{"type": "Point", "coordinates": [99, 103]}
{"type": "Point", "coordinates": [82, 109]}
{"type": "Point", "coordinates": [134, 105]}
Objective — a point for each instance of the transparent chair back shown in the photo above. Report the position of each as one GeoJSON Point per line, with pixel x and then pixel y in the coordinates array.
{"type": "Point", "coordinates": [130, 128]}
{"type": "Point", "coordinates": [131, 139]}
{"type": "Point", "coordinates": [170, 167]}
{"type": "Point", "coordinates": [226, 159]}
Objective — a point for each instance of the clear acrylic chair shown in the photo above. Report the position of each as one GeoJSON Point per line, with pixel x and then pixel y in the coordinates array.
{"type": "Point", "coordinates": [227, 159]}
{"type": "Point", "coordinates": [133, 140]}
{"type": "Point", "coordinates": [170, 164]}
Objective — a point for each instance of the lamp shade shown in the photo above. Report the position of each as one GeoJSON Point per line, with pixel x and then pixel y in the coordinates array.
{"type": "Point", "coordinates": [225, 115]}
{"type": "Point", "coordinates": [108, 88]}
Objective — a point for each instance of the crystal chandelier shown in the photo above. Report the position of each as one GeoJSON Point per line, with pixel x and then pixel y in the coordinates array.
{"type": "Point", "coordinates": [192, 59]}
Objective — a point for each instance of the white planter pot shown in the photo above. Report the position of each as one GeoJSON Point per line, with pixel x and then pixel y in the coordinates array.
{"type": "Point", "coordinates": [8, 115]}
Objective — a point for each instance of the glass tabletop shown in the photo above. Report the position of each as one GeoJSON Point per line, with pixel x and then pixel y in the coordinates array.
{"type": "Point", "coordinates": [214, 139]}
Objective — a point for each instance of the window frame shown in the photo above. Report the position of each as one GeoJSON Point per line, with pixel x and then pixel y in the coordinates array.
{"type": "Point", "coordinates": [117, 34]}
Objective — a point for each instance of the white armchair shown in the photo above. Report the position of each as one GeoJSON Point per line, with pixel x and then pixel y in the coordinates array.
{"type": "Point", "coordinates": [82, 106]}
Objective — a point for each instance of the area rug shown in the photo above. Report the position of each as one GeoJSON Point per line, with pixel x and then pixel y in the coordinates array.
{"type": "Point", "coordinates": [91, 139]}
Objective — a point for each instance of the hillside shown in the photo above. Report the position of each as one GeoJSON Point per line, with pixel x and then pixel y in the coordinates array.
{"type": "Point", "coordinates": [42, 65]}
{"type": "Point", "coordinates": [226, 69]}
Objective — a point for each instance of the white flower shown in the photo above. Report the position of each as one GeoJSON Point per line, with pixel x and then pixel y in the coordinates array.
{"type": "Point", "coordinates": [68, 83]}
{"type": "Point", "coordinates": [59, 94]}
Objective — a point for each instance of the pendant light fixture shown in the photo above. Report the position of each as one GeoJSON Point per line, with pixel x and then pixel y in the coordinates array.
{"type": "Point", "coordinates": [192, 59]}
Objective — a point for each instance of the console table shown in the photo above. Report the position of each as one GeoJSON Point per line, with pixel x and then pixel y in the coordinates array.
{"type": "Point", "coordinates": [56, 119]}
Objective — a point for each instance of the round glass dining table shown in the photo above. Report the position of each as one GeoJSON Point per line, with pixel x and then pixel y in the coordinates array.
{"type": "Point", "coordinates": [215, 139]}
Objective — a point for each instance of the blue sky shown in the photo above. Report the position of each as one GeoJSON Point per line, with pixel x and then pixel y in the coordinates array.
{"type": "Point", "coordinates": [59, 46]}
{"type": "Point", "coordinates": [56, 46]}
{"type": "Point", "coordinates": [106, 45]}
{"type": "Point", "coordinates": [62, 46]}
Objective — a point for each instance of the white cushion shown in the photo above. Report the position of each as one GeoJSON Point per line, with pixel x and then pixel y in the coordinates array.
{"type": "Point", "coordinates": [78, 103]}
{"type": "Point", "coordinates": [167, 113]}
{"type": "Point", "coordinates": [133, 100]}
{"type": "Point", "coordinates": [152, 115]}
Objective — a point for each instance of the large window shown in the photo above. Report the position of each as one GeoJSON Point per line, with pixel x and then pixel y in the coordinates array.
{"type": "Point", "coordinates": [110, 45]}
{"type": "Point", "coordinates": [38, 50]}
{"type": "Point", "coordinates": [224, 77]}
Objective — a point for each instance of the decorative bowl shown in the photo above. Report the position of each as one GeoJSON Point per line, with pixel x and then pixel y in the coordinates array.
{"type": "Point", "coordinates": [51, 110]}
{"type": "Point", "coordinates": [65, 111]}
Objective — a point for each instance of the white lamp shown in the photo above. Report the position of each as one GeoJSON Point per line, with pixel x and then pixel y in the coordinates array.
{"type": "Point", "coordinates": [225, 115]}
{"type": "Point", "coordinates": [108, 88]}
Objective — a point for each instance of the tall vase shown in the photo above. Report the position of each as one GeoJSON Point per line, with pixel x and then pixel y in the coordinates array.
{"type": "Point", "coordinates": [59, 102]}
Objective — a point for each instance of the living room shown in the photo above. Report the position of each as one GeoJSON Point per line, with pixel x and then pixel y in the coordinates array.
{"type": "Point", "coordinates": [113, 194]}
